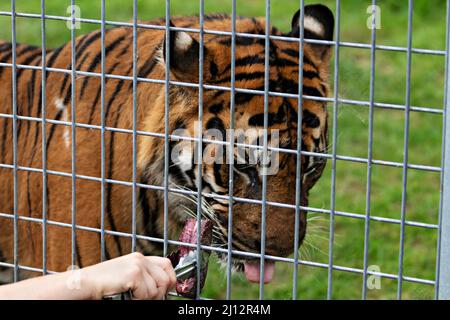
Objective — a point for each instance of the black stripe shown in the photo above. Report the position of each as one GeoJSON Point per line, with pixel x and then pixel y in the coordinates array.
{"type": "Point", "coordinates": [109, 206]}
{"type": "Point", "coordinates": [247, 61]}
{"type": "Point", "coordinates": [216, 16]}
{"type": "Point", "coordinates": [52, 129]}
{"type": "Point", "coordinates": [86, 42]}
{"type": "Point", "coordinates": [217, 175]}
{"type": "Point", "coordinates": [97, 60]}
{"type": "Point", "coordinates": [257, 120]}
{"type": "Point", "coordinates": [273, 118]}
{"type": "Point", "coordinates": [291, 52]}
{"type": "Point", "coordinates": [68, 94]}
{"type": "Point", "coordinates": [147, 68]}
{"type": "Point", "coordinates": [77, 56]}
{"type": "Point", "coordinates": [213, 69]}
{"type": "Point", "coordinates": [34, 146]}
{"type": "Point", "coordinates": [149, 215]}
{"type": "Point", "coordinates": [77, 250]}
{"type": "Point", "coordinates": [31, 86]}
{"type": "Point", "coordinates": [216, 108]}
{"type": "Point", "coordinates": [25, 50]}
{"type": "Point", "coordinates": [27, 61]}
{"type": "Point", "coordinates": [53, 58]}
{"type": "Point", "coordinates": [282, 85]}
{"type": "Point", "coordinates": [290, 86]}
{"type": "Point", "coordinates": [81, 43]}
{"type": "Point", "coordinates": [295, 54]}
{"type": "Point", "coordinates": [4, 59]}
{"type": "Point", "coordinates": [113, 97]}
{"type": "Point", "coordinates": [31, 91]}
{"type": "Point", "coordinates": [191, 173]}
{"type": "Point", "coordinates": [20, 72]}
{"type": "Point", "coordinates": [310, 91]}
{"type": "Point", "coordinates": [175, 171]}
{"type": "Point", "coordinates": [6, 45]}
{"type": "Point", "coordinates": [216, 123]}
{"type": "Point", "coordinates": [64, 83]}
{"type": "Point", "coordinates": [107, 254]}
{"type": "Point", "coordinates": [243, 77]}
{"type": "Point", "coordinates": [310, 74]}
{"type": "Point", "coordinates": [242, 98]}
{"type": "Point", "coordinates": [310, 119]}
{"type": "Point", "coordinates": [282, 62]}
{"type": "Point", "coordinates": [4, 136]}
{"type": "Point", "coordinates": [243, 41]}
{"type": "Point", "coordinates": [97, 96]}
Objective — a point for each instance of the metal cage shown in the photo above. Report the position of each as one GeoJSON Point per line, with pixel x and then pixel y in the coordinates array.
{"type": "Point", "coordinates": [442, 279]}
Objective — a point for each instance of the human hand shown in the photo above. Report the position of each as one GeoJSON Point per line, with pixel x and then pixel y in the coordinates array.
{"type": "Point", "coordinates": [146, 277]}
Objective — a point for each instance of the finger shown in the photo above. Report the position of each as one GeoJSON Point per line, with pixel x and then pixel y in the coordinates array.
{"type": "Point", "coordinates": [147, 289]}
{"type": "Point", "coordinates": [166, 265]}
{"type": "Point", "coordinates": [161, 278]}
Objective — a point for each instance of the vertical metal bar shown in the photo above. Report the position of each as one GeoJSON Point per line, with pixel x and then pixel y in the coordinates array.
{"type": "Point", "coordinates": [15, 165]}
{"type": "Point", "coordinates": [231, 147]}
{"type": "Point", "coordinates": [265, 145]}
{"type": "Point", "coordinates": [334, 149]}
{"type": "Point", "coordinates": [73, 127]}
{"type": "Point", "coordinates": [298, 173]}
{"type": "Point", "coordinates": [44, 140]}
{"type": "Point", "coordinates": [102, 133]}
{"type": "Point", "coordinates": [135, 62]}
{"type": "Point", "coordinates": [166, 131]}
{"type": "Point", "coordinates": [442, 289]}
{"type": "Point", "coordinates": [370, 149]}
{"type": "Point", "coordinates": [405, 151]}
{"type": "Point", "coordinates": [200, 140]}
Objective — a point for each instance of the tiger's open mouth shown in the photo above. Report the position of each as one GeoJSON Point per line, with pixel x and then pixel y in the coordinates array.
{"type": "Point", "coordinates": [249, 266]}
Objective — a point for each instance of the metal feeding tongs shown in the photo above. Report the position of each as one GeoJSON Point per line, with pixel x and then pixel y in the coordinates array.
{"type": "Point", "coordinates": [186, 266]}
{"type": "Point", "coordinates": [184, 269]}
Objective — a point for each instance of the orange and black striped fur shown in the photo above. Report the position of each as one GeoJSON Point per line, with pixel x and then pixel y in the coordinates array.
{"type": "Point", "coordinates": [183, 113]}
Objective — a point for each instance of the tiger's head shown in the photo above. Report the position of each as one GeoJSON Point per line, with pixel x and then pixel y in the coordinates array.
{"type": "Point", "coordinates": [249, 166]}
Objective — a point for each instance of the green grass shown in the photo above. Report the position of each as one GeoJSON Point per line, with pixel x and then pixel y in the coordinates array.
{"type": "Point", "coordinates": [427, 83]}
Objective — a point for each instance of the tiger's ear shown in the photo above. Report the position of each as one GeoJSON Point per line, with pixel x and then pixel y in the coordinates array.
{"type": "Point", "coordinates": [318, 24]}
{"type": "Point", "coordinates": [184, 55]}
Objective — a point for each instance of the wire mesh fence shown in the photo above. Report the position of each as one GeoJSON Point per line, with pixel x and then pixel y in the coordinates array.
{"type": "Point", "coordinates": [104, 230]}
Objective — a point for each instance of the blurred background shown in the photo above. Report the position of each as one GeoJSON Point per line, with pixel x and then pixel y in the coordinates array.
{"type": "Point", "coordinates": [427, 89]}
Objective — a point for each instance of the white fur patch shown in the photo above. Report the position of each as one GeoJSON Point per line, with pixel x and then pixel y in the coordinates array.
{"type": "Point", "coordinates": [66, 133]}
{"type": "Point", "coordinates": [59, 104]}
{"type": "Point", "coordinates": [183, 41]}
{"type": "Point", "coordinates": [185, 159]}
{"type": "Point", "coordinates": [313, 25]}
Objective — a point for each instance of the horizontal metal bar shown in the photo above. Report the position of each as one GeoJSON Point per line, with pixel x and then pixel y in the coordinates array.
{"type": "Point", "coordinates": [214, 249]}
{"type": "Point", "coordinates": [362, 103]}
{"type": "Point", "coordinates": [218, 142]}
{"type": "Point", "coordinates": [226, 33]}
{"type": "Point", "coordinates": [225, 197]}
{"type": "Point", "coordinates": [25, 268]}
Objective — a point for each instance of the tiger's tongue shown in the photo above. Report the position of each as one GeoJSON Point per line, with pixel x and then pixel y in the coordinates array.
{"type": "Point", "coordinates": [252, 271]}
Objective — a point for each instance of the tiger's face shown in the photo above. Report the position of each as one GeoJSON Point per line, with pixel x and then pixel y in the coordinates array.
{"type": "Point", "coordinates": [248, 164]}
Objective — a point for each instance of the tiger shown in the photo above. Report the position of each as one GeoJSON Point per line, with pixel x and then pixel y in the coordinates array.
{"type": "Point", "coordinates": [87, 210]}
